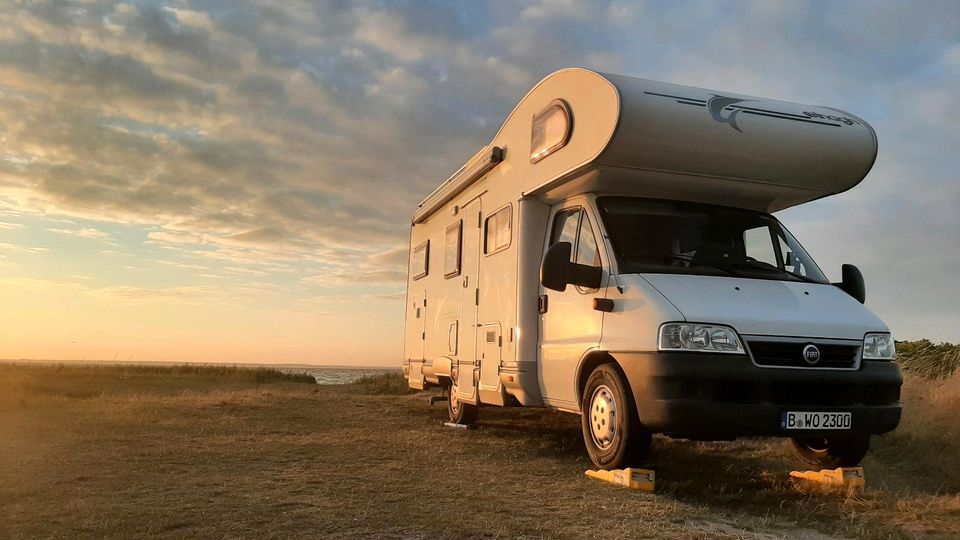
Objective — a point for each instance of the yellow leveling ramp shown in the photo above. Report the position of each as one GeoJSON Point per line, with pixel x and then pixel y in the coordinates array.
{"type": "Point", "coordinates": [642, 479]}
{"type": "Point", "coordinates": [851, 477]}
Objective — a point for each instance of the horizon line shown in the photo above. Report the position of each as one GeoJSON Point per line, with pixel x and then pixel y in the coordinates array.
{"type": "Point", "coordinates": [288, 365]}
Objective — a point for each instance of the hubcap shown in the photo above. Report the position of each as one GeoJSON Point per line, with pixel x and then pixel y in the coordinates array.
{"type": "Point", "coordinates": [603, 417]}
{"type": "Point", "coordinates": [454, 402]}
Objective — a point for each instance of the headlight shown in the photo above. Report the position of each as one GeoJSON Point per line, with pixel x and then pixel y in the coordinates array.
{"type": "Point", "coordinates": [879, 347]}
{"type": "Point", "coordinates": [699, 337]}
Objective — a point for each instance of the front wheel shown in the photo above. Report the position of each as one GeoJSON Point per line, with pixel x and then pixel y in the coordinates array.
{"type": "Point", "coordinates": [832, 452]}
{"type": "Point", "coordinates": [612, 431]}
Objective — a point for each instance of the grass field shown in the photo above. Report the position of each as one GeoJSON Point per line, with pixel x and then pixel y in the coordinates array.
{"type": "Point", "coordinates": [115, 451]}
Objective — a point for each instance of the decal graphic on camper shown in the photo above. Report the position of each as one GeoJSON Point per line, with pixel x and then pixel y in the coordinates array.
{"type": "Point", "coordinates": [716, 106]}
{"type": "Point", "coordinates": [725, 110]}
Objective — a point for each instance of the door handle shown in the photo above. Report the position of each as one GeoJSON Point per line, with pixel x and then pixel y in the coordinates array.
{"type": "Point", "coordinates": [603, 304]}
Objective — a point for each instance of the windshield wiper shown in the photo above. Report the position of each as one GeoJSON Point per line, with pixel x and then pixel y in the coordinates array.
{"type": "Point", "coordinates": [801, 278]}
{"type": "Point", "coordinates": [763, 266]}
{"type": "Point", "coordinates": [689, 259]}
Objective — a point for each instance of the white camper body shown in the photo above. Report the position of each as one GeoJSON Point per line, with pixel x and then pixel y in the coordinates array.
{"type": "Point", "coordinates": [584, 153]}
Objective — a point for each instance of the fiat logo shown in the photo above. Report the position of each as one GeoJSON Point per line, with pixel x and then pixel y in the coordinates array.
{"type": "Point", "coordinates": [811, 354]}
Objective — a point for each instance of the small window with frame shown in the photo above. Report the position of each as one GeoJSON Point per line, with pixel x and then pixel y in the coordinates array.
{"type": "Point", "coordinates": [421, 260]}
{"type": "Point", "coordinates": [498, 230]}
{"type": "Point", "coordinates": [550, 130]}
{"type": "Point", "coordinates": [451, 250]}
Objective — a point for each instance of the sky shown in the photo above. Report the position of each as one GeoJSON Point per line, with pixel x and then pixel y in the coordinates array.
{"type": "Point", "coordinates": [232, 181]}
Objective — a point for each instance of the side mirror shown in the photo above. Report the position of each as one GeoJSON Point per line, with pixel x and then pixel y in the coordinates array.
{"type": "Point", "coordinates": [556, 270]}
{"type": "Point", "coordinates": [852, 283]}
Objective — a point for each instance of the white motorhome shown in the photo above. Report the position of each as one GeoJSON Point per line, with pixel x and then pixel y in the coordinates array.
{"type": "Point", "coordinates": [612, 254]}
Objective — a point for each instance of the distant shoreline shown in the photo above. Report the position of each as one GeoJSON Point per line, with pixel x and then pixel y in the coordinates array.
{"type": "Point", "coordinates": [167, 363]}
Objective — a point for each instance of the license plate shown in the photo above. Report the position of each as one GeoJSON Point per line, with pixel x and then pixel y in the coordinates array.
{"type": "Point", "coordinates": [815, 420]}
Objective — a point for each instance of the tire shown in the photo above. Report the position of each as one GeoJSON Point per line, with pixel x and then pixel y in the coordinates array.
{"type": "Point", "coordinates": [832, 452]}
{"type": "Point", "coordinates": [611, 428]}
{"type": "Point", "coordinates": [459, 412]}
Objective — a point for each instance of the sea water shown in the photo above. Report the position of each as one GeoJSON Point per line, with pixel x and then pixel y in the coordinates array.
{"type": "Point", "coordinates": [339, 375]}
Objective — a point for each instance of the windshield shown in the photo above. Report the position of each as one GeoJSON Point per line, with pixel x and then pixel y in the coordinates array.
{"type": "Point", "coordinates": [668, 237]}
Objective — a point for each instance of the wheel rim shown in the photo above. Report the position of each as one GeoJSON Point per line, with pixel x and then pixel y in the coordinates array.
{"type": "Point", "coordinates": [819, 446]}
{"type": "Point", "coordinates": [603, 417]}
{"type": "Point", "coordinates": [454, 402]}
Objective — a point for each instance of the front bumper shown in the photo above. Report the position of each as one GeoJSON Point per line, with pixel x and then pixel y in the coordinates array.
{"type": "Point", "coordinates": [718, 396]}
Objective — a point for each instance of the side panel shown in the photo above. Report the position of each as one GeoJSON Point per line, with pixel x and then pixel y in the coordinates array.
{"type": "Point", "coordinates": [468, 364]}
{"type": "Point", "coordinates": [520, 374]}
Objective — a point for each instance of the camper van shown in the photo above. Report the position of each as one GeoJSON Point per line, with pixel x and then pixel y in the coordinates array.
{"type": "Point", "coordinates": [612, 253]}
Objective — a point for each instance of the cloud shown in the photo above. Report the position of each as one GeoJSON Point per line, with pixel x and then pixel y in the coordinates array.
{"type": "Point", "coordinates": [191, 295]}
{"type": "Point", "coordinates": [384, 268]}
{"type": "Point", "coordinates": [36, 283]}
{"type": "Point", "coordinates": [556, 9]}
{"type": "Point", "coordinates": [20, 248]}
{"type": "Point", "coordinates": [392, 258]}
{"type": "Point", "coordinates": [83, 232]}
{"type": "Point", "coordinates": [290, 141]}
{"type": "Point", "coordinates": [261, 236]}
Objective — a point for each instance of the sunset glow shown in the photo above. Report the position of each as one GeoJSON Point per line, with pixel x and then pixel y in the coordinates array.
{"type": "Point", "coordinates": [232, 182]}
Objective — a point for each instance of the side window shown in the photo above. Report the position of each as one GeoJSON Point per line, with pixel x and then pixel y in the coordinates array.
{"type": "Point", "coordinates": [565, 226]}
{"type": "Point", "coordinates": [497, 231]}
{"type": "Point", "coordinates": [451, 250]}
{"type": "Point", "coordinates": [421, 260]}
{"type": "Point", "coordinates": [758, 245]}
{"type": "Point", "coordinates": [587, 252]}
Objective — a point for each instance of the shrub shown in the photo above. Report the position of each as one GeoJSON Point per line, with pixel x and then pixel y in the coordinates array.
{"type": "Point", "coordinates": [928, 360]}
{"type": "Point", "coordinates": [383, 384]}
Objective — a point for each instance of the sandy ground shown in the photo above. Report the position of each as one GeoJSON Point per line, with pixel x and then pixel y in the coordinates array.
{"type": "Point", "coordinates": [121, 453]}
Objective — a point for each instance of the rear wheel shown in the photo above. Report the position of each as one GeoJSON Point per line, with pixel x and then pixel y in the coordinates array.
{"type": "Point", "coordinates": [832, 452]}
{"type": "Point", "coordinates": [460, 412]}
{"type": "Point", "coordinates": [611, 428]}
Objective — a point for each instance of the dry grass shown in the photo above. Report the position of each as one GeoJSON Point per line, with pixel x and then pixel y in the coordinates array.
{"type": "Point", "coordinates": [119, 452]}
{"type": "Point", "coordinates": [928, 360]}
{"type": "Point", "coordinates": [385, 384]}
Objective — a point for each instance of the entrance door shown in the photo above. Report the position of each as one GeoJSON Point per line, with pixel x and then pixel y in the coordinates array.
{"type": "Point", "coordinates": [570, 327]}
{"type": "Point", "coordinates": [469, 362]}
{"type": "Point", "coordinates": [416, 334]}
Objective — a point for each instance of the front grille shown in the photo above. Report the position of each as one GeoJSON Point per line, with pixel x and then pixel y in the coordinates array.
{"type": "Point", "coordinates": [773, 353]}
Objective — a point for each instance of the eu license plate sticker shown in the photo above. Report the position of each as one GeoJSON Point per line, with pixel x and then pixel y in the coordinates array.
{"type": "Point", "coordinates": [815, 420]}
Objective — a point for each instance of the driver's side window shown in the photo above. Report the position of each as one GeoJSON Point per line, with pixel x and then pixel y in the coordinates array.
{"type": "Point", "coordinates": [573, 225]}
{"type": "Point", "coordinates": [587, 252]}
{"type": "Point", "coordinates": [565, 227]}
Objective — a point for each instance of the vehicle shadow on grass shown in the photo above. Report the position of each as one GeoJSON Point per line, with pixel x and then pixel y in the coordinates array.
{"type": "Point", "coordinates": [747, 476]}
{"type": "Point", "coordinates": [895, 465]}
{"type": "Point", "coordinates": [556, 434]}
